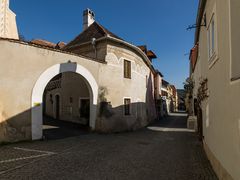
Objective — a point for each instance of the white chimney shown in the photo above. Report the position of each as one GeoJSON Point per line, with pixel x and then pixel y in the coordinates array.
{"type": "Point", "coordinates": [88, 18]}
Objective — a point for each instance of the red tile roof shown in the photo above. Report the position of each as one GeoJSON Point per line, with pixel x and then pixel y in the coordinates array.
{"type": "Point", "coordinates": [43, 43]}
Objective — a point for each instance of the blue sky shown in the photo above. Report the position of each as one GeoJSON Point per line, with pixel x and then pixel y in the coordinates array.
{"type": "Point", "coordinates": [159, 24]}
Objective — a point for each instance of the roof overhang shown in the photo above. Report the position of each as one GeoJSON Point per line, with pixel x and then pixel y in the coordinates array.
{"type": "Point", "coordinates": [201, 8]}
{"type": "Point", "coordinates": [151, 54]}
{"type": "Point", "coordinates": [131, 46]}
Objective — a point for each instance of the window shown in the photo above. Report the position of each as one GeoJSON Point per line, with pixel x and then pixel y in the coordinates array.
{"type": "Point", "coordinates": [127, 103]}
{"type": "Point", "coordinates": [127, 69]}
{"type": "Point", "coordinates": [211, 38]}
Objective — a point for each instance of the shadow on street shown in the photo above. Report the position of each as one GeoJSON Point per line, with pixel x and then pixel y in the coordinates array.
{"type": "Point", "coordinates": [57, 129]}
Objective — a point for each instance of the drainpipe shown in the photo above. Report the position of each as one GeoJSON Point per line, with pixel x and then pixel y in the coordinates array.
{"type": "Point", "coordinates": [94, 46]}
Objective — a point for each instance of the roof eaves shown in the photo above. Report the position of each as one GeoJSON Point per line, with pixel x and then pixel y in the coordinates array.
{"type": "Point", "coordinates": [146, 59]}
{"type": "Point", "coordinates": [49, 48]}
{"type": "Point", "coordinates": [201, 8]}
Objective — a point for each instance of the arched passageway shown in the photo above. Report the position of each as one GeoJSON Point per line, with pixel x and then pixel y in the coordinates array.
{"type": "Point", "coordinates": [65, 92]}
{"type": "Point", "coordinates": [66, 106]}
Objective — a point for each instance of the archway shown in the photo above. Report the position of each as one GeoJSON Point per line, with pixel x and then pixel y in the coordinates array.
{"type": "Point", "coordinates": [43, 80]}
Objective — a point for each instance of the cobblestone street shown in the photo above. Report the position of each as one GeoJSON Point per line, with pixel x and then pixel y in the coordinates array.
{"type": "Point", "coordinates": [152, 153]}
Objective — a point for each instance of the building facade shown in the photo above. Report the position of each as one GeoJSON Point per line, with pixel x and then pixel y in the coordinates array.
{"type": "Point", "coordinates": [215, 72]}
{"type": "Point", "coordinates": [97, 79]}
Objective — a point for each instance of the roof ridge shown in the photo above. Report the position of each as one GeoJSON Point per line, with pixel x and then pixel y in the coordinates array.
{"type": "Point", "coordinates": [102, 28]}
{"type": "Point", "coordinates": [95, 30]}
{"type": "Point", "coordinates": [79, 35]}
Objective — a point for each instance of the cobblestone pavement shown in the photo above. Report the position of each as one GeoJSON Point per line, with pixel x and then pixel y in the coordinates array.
{"type": "Point", "coordinates": [144, 154]}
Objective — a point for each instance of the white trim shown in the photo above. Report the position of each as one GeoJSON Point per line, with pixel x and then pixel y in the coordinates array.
{"type": "Point", "coordinates": [45, 77]}
{"type": "Point", "coordinates": [213, 57]}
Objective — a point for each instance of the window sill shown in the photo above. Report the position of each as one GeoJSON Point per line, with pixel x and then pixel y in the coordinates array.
{"type": "Point", "coordinates": [235, 79]}
{"type": "Point", "coordinates": [213, 60]}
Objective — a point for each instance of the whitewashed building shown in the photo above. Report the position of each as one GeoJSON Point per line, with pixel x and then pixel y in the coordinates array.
{"type": "Point", "coordinates": [98, 79]}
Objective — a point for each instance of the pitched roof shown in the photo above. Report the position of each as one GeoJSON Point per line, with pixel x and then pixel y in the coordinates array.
{"type": "Point", "coordinates": [143, 48]}
{"type": "Point", "coordinates": [164, 82]}
{"type": "Point", "coordinates": [151, 54]}
{"type": "Point", "coordinates": [93, 31]}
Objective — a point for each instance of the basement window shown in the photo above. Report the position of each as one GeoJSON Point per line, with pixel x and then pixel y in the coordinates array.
{"type": "Point", "coordinates": [127, 69]}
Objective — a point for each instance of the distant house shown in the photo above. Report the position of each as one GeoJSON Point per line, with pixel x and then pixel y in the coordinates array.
{"type": "Point", "coordinates": [215, 74]}
{"type": "Point", "coordinates": [174, 107]}
{"type": "Point", "coordinates": [166, 97]}
{"type": "Point", "coordinates": [157, 82]}
{"type": "Point", "coordinates": [181, 99]}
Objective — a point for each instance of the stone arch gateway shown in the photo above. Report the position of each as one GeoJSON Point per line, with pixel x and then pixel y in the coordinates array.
{"type": "Point", "coordinates": [38, 90]}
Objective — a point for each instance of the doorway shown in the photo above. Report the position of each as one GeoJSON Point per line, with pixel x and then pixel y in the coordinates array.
{"type": "Point", "coordinates": [84, 110]}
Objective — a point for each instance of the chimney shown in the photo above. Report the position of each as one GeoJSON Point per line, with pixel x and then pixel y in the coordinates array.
{"type": "Point", "coordinates": [88, 18]}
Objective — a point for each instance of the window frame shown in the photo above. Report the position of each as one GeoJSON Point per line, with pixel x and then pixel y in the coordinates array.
{"type": "Point", "coordinates": [127, 73]}
{"type": "Point", "coordinates": [129, 105]}
{"type": "Point", "coordinates": [212, 39]}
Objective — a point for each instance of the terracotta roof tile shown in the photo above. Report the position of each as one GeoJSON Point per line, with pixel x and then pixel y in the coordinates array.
{"type": "Point", "coordinates": [43, 43]}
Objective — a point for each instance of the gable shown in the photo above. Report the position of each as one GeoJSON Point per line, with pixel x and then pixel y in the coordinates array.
{"type": "Point", "coordinates": [94, 31]}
